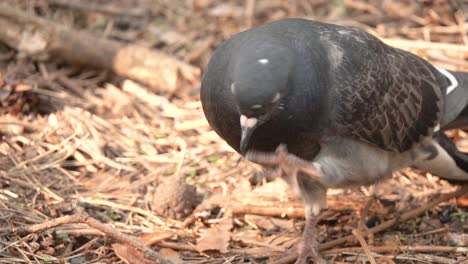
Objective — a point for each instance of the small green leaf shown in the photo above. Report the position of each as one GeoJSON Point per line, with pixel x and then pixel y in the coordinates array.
{"type": "Point", "coordinates": [212, 158]}
{"type": "Point", "coordinates": [159, 135]}
{"type": "Point", "coordinates": [115, 216]}
{"type": "Point", "coordinates": [101, 21]}
{"type": "Point", "coordinates": [64, 237]}
{"type": "Point", "coordinates": [47, 258]}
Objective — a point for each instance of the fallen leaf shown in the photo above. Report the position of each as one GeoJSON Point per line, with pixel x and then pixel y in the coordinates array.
{"type": "Point", "coordinates": [129, 254]}
{"type": "Point", "coordinates": [462, 201]}
{"type": "Point", "coordinates": [201, 4]}
{"type": "Point", "coordinates": [259, 222]}
{"type": "Point", "coordinates": [457, 240]}
{"type": "Point", "coordinates": [173, 38]}
{"type": "Point", "coordinates": [216, 237]}
{"type": "Point", "coordinates": [152, 238]}
{"type": "Point", "coordinates": [226, 10]}
{"type": "Point", "coordinates": [282, 239]}
{"type": "Point", "coordinates": [170, 254]}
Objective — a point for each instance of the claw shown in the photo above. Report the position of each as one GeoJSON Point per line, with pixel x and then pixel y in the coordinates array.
{"type": "Point", "coordinates": [289, 163]}
{"type": "Point", "coordinates": [309, 244]}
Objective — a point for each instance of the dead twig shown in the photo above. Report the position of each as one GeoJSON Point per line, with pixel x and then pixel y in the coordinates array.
{"type": "Point", "coordinates": [403, 248]}
{"type": "Point", "coordinates": [425, 45]}
{"type": "Point", "coordinates": [292, 212]}
{"type": "Point", "coordinates": [250, 12]}
{"type": "Point", "coordinates": [358, 234]}
{"type": "Point", "coordinates": [383, 249]}
{"type": "Point", "coordinates": [93, 7]}
{"type": "Point", "coordinates": [36, 36]}
{"type": "Point", "coordinates": [384, 225]}
{"type": "Point", "coordinates": [18, 123]}
{"type": "Point", "coordinates": [362, 6]}
{"type": "Point", "coordinates": [137, 210]}
{"type": "Point", "coordinates": [84, 219]}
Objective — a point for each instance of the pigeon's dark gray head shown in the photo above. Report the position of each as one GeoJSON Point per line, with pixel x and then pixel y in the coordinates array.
{"type": "Point", "coordinates": [260, 85]}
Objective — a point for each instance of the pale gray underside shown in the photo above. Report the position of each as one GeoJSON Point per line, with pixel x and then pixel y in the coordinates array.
{"type": "Point", "coordinates": [347, 162]}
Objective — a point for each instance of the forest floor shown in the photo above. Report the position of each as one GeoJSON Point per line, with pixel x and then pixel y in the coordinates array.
{"type": "Point", "coordinates": [80, 141]}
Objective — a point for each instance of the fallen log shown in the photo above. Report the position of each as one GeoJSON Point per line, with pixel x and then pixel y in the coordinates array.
{"type": "Point", "coordinates": [35, 36]}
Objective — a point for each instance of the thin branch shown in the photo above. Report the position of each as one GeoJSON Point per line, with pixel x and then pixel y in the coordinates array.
{"type": "Point", "coordinates": [425, 45]}
{"type": "Point", "coordinates": [36, 36]}
{"type": "Point", "coordinates": [384, 225]}
{"type": "Point", "coordinates": [108, 230]}
{"type": "Point", "coordinates": [124, 207]}
{"type": "Point", "coordinates": [105, 9]}
{"type": "Point", "coordinates": [403, 248]}
{"type": "Point", "coordinates": [357, 233]}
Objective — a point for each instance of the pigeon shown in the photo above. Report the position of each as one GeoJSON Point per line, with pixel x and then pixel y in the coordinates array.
{"type": "Point", "coordinates": [333, 107]}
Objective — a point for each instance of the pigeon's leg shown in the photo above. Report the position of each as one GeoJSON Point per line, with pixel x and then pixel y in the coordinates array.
{"type": "Point", "coordinates": [308, 248]}
{"type": "Point", "coordinates": [314, 196]}
{"type": "Point", "coordinates": [363, 213]}
{"type": "Point", "coordinates": [305, 176]}
{"type": "Point", "coordinates": [362, 228]}
{"type": "Point", "coordinates": [288, 163]}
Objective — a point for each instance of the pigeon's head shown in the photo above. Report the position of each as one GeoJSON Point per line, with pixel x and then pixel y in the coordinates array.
{"type": "Point", "coordinates": [260, 86]}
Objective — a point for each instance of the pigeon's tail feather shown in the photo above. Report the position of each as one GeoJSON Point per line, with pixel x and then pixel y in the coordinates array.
{"type": "Point", "coordinates": [460, 158]}
{"type": "Point", "coordinates": [456, 103]}
{"type": "Point", "coordinates": [448, 163]}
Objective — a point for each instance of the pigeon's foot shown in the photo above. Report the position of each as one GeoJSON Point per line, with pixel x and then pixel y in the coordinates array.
{"type": "Point", "coordinates": [267, 174]}
{"type": "Point", "coordinates": [363, 214]}
{"type": "Point", "coordinates": [308, 249]}
{"type": "Point", "coordinates": [288, 163]}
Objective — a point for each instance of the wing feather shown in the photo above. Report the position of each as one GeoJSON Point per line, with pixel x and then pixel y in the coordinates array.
{"type": "Point", "coordinates": [395, 98]}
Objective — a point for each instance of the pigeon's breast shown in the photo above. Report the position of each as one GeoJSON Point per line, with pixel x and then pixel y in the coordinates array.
{"type": "Point", "coordinates": [285, 130]}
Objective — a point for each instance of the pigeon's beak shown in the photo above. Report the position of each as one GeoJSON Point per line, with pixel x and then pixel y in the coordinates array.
{"type": "Point", "coordinates": [248, 125]}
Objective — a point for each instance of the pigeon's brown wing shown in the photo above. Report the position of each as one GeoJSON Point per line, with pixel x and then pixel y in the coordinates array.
{"type": "Point", "coordinates": [385, 96]}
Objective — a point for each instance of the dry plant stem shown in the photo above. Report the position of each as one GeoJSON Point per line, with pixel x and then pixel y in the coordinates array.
{"type": "Point", "coordinates": [361, 6]}
{"type": "Point", "coordinates": [250, 12]}
{"type": "Point", "coordinates": [376, 249]}
{"type": "Point", "coordinates": [385, 259]}
{"type": "Point", "coordinates": [109, 231]}
{"type": "Point", "coordinates": [403, 217]}
{"type": "Point", "coordinates": [357, 233]}
{"type": "Point", "coordinates": [36, 36]}
{"type": "Point", "coordinates": [393, 249]}
{"type": "Point", "coordinates": [92, 7]}
{"type": "Point", "coordinates": [150, 216]}
{"type": "Point", "coordinates": [292, 212]}
{"type": "Point", "coordinates": [18, 123]}
{"type": "Point", "coordinates": [425, 45]}
{"type": "Point", "coordinates": [383, 249]}
{"type": "Point", "coordinates": [385, 225]}
{"type": "Point", "coordinates": [189, 247]}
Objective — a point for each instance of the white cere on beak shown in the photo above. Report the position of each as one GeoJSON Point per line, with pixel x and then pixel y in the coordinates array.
{"type": "Point", "coordinates": [233, 88]}
{"type": "Point", "coordinates": [276, 98]}
{"type": "Point", "coordinates": [263, 61]}
{"type": "Point", "coordinates": [248, 122]}
{"type": "Point", "coordinates": [243, 120]}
